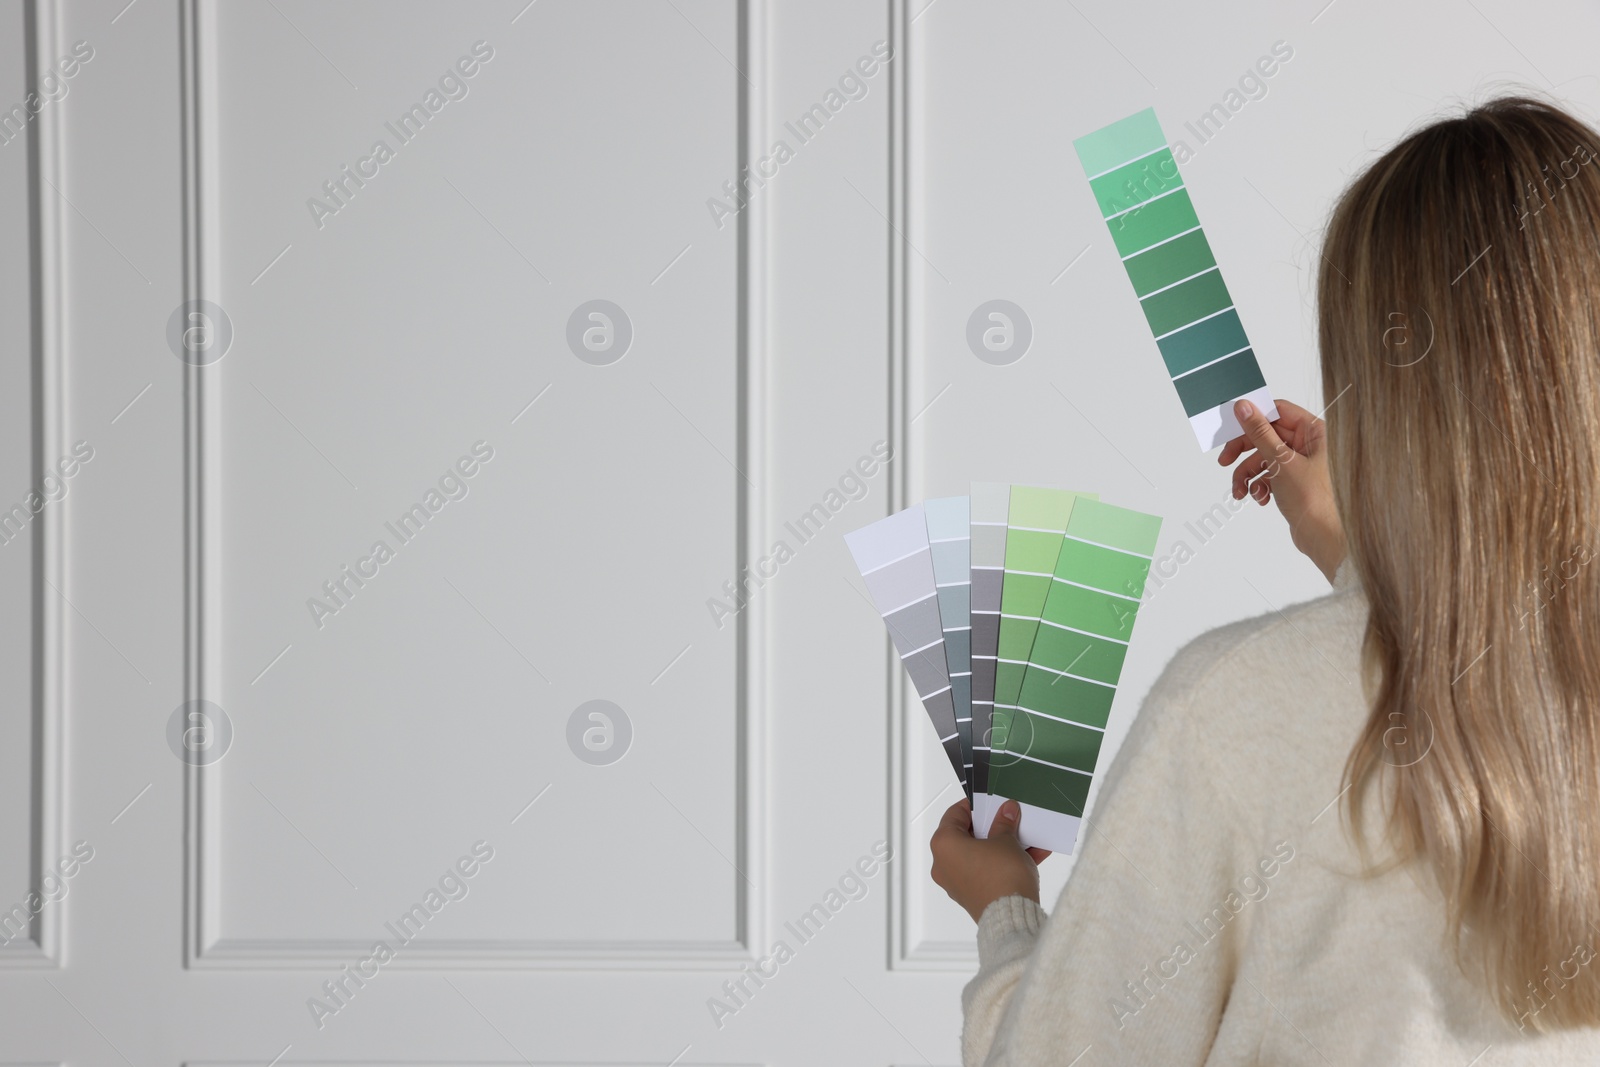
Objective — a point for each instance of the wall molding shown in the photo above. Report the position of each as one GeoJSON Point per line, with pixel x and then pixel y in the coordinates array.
{"type": "Point", "coordinates": [908, 948]}
{"type": "Point", "coordinates": [205, 943]}
{"type": "Point", "coordinates": [43, 947]}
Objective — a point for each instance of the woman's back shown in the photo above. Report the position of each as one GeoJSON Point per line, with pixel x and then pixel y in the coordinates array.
{"type": "Point", "coordinates": [1218, 913]}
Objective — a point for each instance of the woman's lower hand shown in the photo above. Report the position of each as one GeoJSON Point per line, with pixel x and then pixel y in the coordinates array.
{"type": "Point", "coordinates": [1288, 462]}
{"type": "Point", "coordinates": [977, 872]}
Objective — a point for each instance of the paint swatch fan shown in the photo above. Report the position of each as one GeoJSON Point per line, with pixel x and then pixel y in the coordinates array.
{"type": "Point", "coordinates": [1012, 608]}
{"type": "Point", "coordinates": [1011, 611]}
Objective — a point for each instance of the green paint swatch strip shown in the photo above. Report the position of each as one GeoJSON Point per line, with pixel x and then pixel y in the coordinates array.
{"type": "Point", "coordinates": [1137, 185]}
{"type": "Point", "coordinates": [1046, 745]}
{"type": "Point", "coordinates": [1036, 524]}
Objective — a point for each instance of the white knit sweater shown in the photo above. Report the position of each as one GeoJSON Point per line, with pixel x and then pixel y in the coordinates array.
{"type": "Point", "coordinates": [1217, 914]}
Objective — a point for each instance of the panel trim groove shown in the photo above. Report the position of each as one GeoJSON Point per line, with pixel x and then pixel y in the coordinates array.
{"type": "Point", "coordinates": [202, 453]}
{"type": "Point", "coordinates": [907, 948]}
{"type": "Point", "coordinates": [43, 946]}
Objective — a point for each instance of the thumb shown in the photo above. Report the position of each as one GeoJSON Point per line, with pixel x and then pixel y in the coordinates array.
{"type": "Point", "coordinates": [1006, 821]}
{"type": "Point", "coordinates": [1256, 427]}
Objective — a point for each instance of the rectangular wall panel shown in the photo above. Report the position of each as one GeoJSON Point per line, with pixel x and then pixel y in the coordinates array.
{"type": "Point", "coordinates": [456, 577]}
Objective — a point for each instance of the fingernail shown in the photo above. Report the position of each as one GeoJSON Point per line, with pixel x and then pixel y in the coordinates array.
{"type": "Point", "coordinates": [1244, 409]}
{"type": "Point", "coordinates": [1009, 811]}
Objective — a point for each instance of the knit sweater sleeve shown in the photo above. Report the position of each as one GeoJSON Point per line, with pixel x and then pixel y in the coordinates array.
{"type": "Point", "coordinates": [1140, 955]}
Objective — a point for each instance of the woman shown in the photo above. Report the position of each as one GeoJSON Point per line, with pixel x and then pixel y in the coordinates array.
{"type": "Point", "coordinates": [1366, 829]}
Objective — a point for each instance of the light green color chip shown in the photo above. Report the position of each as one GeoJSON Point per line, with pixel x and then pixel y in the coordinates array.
{"type": "Point", "coordinates": [1119, 142]}
{"type": "Point", "coordinates": [1107, 524]}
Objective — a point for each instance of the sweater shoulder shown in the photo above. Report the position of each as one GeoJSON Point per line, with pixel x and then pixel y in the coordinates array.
{"type": "Point", "coordinates": [1271, 704]}
{"type": "Point", "coordinates": [1264, 709]}
{"type": "Point", "coordinates": [1247, 665]}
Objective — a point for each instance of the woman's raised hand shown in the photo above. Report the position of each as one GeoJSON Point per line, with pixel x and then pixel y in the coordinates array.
{"type": "Point", "coordinates": [1288, 461]}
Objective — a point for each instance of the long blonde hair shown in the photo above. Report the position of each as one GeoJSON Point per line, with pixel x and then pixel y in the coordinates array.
{"type": "Point", "coordinates": [1459, 302]}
